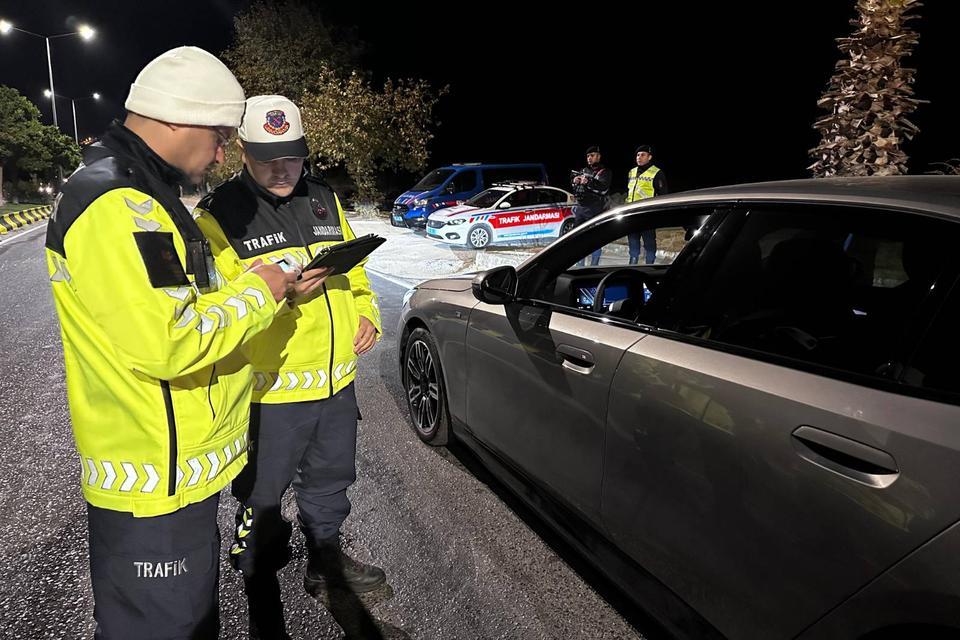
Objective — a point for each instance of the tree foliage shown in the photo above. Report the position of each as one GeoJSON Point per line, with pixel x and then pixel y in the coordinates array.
{"type": "Point", "coordinates": [350, 120]}
{"type": "Point", "coordinates": [29, 149]}
{"type": "Point", "coordinates": [870, 95]}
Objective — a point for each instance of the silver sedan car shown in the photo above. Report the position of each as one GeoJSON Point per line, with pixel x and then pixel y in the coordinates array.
{"type": "Point", "coordinates": [742, 403]}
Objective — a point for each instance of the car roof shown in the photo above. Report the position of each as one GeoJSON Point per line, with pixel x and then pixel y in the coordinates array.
{"type": "Point", "coordinates": [936, 194]}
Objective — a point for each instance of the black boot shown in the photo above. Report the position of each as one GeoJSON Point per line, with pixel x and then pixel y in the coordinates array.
{"type": "Point", "coordinates": [329, 567]}
{"type": "Point", "coordinates": [266, 608]}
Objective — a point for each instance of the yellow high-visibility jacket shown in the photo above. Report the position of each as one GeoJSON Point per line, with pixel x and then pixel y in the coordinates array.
{"type": "Point", "coordinates": [307, 354]}
{"type": "Point", "coordinates": [158, 390]}
{"type": "Point", "coordinates": [640, 187]}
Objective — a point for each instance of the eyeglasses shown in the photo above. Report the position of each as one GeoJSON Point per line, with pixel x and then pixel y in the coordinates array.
{"type": "Point", "coordinates": [223, 139]}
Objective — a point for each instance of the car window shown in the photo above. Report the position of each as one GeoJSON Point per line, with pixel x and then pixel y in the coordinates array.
{"type": "Point", "coordinates": [522, 198]}
{"type": "Point", "coordinates": [486, 198]}
{"type": "Point", "coordinates": [432, 180]}
{"type": "Point", "coordinates": [658, 245]}
{"type": "Point", "coordinates": [826, 285]}
{"type": "Point", "coordinates": [567, 277]}
{"type": "Point", "coordinates": [549, 196]}
{"type": "Point", "coordinates": [934, 365]}
{"type": "Point", "coordinates": [465, 181]}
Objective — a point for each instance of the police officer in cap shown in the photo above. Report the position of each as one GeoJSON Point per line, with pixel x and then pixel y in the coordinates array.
{"type": "Point", "coordinates": [645, 180]}
{"type": "Point", "coordinates": [304, 413]}
{"type": "Point", "coordinates": [590, 186]}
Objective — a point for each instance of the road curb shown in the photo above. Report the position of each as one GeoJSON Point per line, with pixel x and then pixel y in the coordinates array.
{"type": "Point", "coordinates": [18, 219]}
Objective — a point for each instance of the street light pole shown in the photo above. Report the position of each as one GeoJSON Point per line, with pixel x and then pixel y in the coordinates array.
{"type": "Point", "coordinates": [85, 32]}
{"type": "Point", "coordinates": [53, 93]}
{"type": "Point", "coordinates": [73, 106]}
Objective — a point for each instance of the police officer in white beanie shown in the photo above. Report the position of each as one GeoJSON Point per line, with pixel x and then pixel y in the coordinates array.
{"type": "Point", "coordinates": [304, 414]}
{"type": "Point", "coordinates": [158, 392]}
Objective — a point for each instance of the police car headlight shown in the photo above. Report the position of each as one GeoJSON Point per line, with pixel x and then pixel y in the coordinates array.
{"type": "Point", "coordinates": [407, 296]}
{"type": "Point", "coordinates": [420, 203]}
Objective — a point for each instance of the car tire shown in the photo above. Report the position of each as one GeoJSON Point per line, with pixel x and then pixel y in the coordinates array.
{"type": "Point", "coordinates": [424, 388]}
{"type": "Point", "coordinates": [567, 226]}
{"type": "Point", "coordinates": [479, 236]}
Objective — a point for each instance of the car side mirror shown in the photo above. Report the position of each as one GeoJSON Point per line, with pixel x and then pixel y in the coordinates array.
{"type": "Point", "coordinates": [450, 188]}
{"type": "Point", "coordinates": [496, 286]}
{"type": "Point", "coordinates": [504, 205]}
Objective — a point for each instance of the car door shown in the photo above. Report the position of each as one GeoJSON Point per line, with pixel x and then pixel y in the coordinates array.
{"type": "Point", "coordinates": [765, 455]}
{"type": "Point", "coordinates": [513, 223]}
{"type": "Point", "coordinates": [539, 372]}
{"type": "Point", "coordinates": [459, 188]}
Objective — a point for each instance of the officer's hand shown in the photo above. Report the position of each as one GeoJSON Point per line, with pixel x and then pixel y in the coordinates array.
{"type": "Point", "coordinates": [309, 282]}
{"type": "Point", "coordinates": [280, 282]}
{"type": "Point", "coordinates": [366, 337]}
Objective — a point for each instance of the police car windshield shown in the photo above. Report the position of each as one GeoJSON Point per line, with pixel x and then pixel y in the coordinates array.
{"type": "Point", "coordinates": [486, 198]}
{"type": "Point", "coordinates": [433, 180]}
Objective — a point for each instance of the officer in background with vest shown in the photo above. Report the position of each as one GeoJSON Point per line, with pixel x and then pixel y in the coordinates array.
{"type": "Point", "coordinates": [590, 187]}
{"type": "Point", "coordinates": [158, 391]}
{"type": "Point", "coordinates": [644, 181]}
{"type": "Point", "coordinates": [304, 413]}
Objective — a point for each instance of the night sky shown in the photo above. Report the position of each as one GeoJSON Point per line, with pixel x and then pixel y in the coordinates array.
{"type": "Point", "coordinates": [726, 92]}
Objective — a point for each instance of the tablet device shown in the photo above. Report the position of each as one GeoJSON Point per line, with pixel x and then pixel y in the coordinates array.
{"type": "Point", "coordinates": [345, 256]}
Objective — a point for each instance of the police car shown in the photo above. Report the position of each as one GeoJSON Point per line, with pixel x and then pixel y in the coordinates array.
{"type": "Point", "coordinates": [505, 213]}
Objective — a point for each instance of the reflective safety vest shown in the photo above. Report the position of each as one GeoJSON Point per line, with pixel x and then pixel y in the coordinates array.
{"type": "Point", "coordinates": [158, 390]}
{"type": "Point", "coordinates": [307, 354]}
{"type": "Point", "coordinates": [641, 187]}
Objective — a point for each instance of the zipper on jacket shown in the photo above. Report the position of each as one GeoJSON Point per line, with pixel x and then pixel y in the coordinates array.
{"type": "Point", "coordinates": [332, 342]}
{"type": "Point", "coordinates": [213, 411]}
{"type": "Point", "coordinates": [172, 427]}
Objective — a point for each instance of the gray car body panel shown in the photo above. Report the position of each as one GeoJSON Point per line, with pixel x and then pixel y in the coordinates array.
{"type": "Point", "coordinates": [705, 486]}
{"type": "Point", "coordinates": [702, 482]}
{"type": "Point", "coordinates": [924, 587]}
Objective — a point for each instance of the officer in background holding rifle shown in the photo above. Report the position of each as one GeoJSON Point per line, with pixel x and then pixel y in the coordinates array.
{"type": "Point", "coordinates": [590, 187]}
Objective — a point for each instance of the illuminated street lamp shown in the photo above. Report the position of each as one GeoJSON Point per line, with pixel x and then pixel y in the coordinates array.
{"type": "Point", "coordinates": [73, 105]}
{"type": "Point", "coordinates": [86, 32]}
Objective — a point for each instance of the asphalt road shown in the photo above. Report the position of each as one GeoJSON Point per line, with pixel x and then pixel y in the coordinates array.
{"type": "Point", "coordinates": [463, 559]}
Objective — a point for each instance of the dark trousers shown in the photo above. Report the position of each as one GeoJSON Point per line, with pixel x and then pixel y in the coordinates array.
{"type": "Point", "coordinates": [156, 577]}
{"type": "Point", "coordinates": [582, 213]}
{"type": "Point", "coordinates": [311, 445]}
{"type": "Point", "coordinates": [649, 238]}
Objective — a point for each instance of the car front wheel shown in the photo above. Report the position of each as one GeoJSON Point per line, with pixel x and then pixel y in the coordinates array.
{"type": "Point", "coordinates": [478, 237]}
{"type": "Point", "coordinates": [423, 383]}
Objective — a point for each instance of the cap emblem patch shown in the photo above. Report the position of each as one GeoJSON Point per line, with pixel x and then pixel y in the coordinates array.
{"type": "Point", "coordinates": [276, 123]}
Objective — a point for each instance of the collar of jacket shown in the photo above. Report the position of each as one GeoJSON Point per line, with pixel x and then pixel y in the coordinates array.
{"type": "Point", "coordinates": [129, 145]}
{"type": "Point", "coordinates": [299, 190]}
{"type": "Point", "coordinates": [643, 167]}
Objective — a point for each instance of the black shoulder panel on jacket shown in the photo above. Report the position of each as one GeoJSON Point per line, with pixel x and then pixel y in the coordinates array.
{"type": "Point", "coordinates": [232, 205]}
{"type": "Point", "coordinates": [86, 185]}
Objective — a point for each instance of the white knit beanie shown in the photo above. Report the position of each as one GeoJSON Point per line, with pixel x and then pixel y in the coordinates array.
{"type": "Point", "coordinates": [187, 85]}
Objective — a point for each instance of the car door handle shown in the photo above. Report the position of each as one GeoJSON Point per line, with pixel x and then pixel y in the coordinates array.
{"type": "Point", "coordinates": [855, 460]}
{"type": "Point", "coordinates": [575, 359]}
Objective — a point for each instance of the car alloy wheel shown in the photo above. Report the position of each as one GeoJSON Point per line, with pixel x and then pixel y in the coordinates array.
{"type": "Point", "coordinates": [423, 391]}
{"type": "Point", "coordinates": [479, 237]}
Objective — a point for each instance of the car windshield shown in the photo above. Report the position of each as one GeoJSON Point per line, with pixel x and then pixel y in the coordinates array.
{"type": "Point", "coordinates": [433, 180]}
{"type": "Point", "coordinates": [486, 198]}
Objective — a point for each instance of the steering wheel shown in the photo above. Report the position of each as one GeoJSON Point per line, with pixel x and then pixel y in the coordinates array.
{"type": "Point", "coordinates": [631, 274]}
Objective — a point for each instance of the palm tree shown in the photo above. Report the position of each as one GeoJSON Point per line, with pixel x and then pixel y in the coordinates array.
{"type": "Point", "coordinates": [869, 96]}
